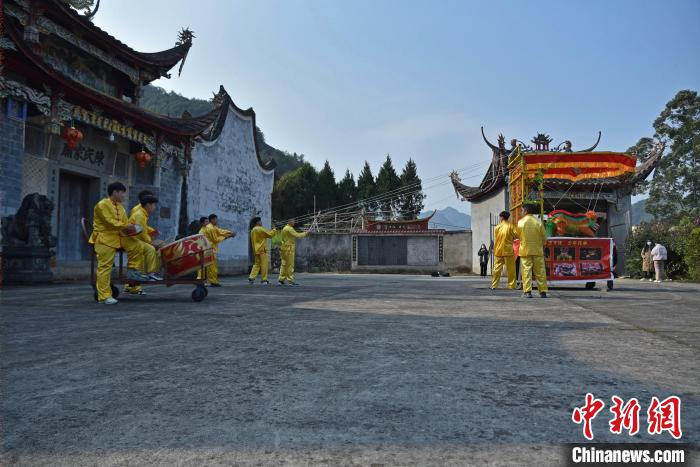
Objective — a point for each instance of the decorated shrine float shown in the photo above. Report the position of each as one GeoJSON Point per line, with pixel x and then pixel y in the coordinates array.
{"type": "Point", "coordinates": [581, 194]}
{"type": "Point", "coordinates": [579, 248]}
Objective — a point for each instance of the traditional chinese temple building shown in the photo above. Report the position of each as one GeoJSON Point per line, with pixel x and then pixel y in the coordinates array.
{"type": "Point", "coordinates": [61, 72]}
{"type": "Point", "coordinates": [573, 180]}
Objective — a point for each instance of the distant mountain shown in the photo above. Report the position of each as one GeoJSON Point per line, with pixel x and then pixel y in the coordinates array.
{"type": "Point", "coordinates": [449, 219]}
{"type": "Point", "coordinates": [639, 213]}
{"type": "Point", "coordinates": [172, 104]}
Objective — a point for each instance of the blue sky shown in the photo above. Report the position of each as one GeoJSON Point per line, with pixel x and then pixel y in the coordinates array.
{"type": "Point", "coordinates": [350, 81]}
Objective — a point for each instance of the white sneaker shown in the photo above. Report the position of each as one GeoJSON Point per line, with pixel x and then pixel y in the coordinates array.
{"type": "Point", "coordinates": [137, 276]}
{"type": "Point", "coordinates": [109, 301]}
{"type": "Point", "coordinates": [642, 279]}
{"type": "Point", "coordinates": [651, 280]}
{"type": "Point", "coordinates": [155, 276]}
{"type": "Point", "coordinates": [657, 281]}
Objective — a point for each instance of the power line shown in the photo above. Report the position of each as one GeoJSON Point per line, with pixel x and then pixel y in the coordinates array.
{"type": "Point", "coordinates": [396, 193]}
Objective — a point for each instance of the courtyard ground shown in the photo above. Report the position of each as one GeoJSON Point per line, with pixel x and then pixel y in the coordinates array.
{"type": "Point", "coordinates": [345, 370]}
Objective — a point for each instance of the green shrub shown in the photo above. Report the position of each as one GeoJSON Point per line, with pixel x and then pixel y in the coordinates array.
{"type": "Point", "coordinates": [692, 254]}
{"type": "Point", "coordinates": [673, 237]}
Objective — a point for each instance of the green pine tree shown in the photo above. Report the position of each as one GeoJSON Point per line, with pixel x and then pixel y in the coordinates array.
{"type": "Point", "coordinates": [366, 188]}
{"type": "Point", "coordinates": [387, 182]}
{"type": "Point", "coordinates": [293, 194]}
{"type": "Point", "coordinates": [326, 189]}
{"type": "Point", "coordinates": [412, 196]}
{"type": "Point", "coordinates": [347, 191]}
{"type": "Point", "coordinates": [674, 190]}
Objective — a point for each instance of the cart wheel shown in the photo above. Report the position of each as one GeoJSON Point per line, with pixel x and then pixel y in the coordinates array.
{"type": "Point", "coordinates": [590, 285]}
{"type": "Point", "coordinates": [199, 294]}
{"type": "Point", "coordinates": [611, 284]}
{"type": "Point", "coordinates": [115, 292]}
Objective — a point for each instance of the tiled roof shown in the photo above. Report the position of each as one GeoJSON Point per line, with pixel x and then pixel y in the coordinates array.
{"type": "Point", "coordinates": [496, 174]}
{"type": "Point", "coordinates": [159, 62]}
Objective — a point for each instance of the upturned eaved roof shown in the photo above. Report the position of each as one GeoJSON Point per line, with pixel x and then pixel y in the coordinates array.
{"type": "Point", "coordinates": [496, 175]}
{"type": "Point", "coordinates": [23, 60]}
{"type": "Point", "coordinates": [151, 65]}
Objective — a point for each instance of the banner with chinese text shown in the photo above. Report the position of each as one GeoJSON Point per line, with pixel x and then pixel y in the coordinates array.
{"type": "Point", "coordinates": [577, 259]}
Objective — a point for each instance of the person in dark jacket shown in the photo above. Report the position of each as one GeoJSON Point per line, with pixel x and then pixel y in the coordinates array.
{"type": "Point", "coordinates": [483, 259]}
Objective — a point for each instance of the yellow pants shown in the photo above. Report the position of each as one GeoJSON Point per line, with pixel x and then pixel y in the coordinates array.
{"type": "Point", "coordinates": [213, 271]}
{"type": "Point", "coordinates": [150, 263]}
{"type": "Point", "coordinates": [136, 259]}
{"type": "Point", "coordinates": [499, 262]}
{"type": "Point", "coordinates": [260, 266]}
{"type": "Point", "coordinates": [530, 265]}
{"type": "Point", "coordinates": [287, 266]}
{"type": "Point", "coordinates": [105, 263]}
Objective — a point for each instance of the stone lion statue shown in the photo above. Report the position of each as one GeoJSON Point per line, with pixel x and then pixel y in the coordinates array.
{"type": "Point", "coordinates": [31, 226]}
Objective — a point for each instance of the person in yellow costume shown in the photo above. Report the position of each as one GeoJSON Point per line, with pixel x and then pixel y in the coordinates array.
{"type": "Point", "coordinates": [142, 194]}
{"type": "Point", "coordinates": [203, 222]}
{"type": "Point", "coordinates": [150, 264]}
{"type": "Point", "coordinates": [287, 252]}
{"type": "Point", "coordinates": [109, 219]}
{"type": "Point", "coordinates": [258, 241]}
{"type": "Point", "coordinates": [532, 241]}
{"type": "Point", "coordinates": [215, 235]}
{"type": "Point", "coordinates": [504, 234]}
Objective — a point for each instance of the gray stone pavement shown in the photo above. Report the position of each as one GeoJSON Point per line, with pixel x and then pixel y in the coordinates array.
{"type": "Point", "coordinates": [345, 370]}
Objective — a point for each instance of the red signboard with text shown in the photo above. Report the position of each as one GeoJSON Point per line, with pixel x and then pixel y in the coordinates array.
{"type": "Point", "coordinates": [577, 259]}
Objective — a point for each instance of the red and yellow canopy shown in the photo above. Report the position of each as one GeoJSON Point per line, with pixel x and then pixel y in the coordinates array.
{"type": "Point", "coordinates": [579, 166]}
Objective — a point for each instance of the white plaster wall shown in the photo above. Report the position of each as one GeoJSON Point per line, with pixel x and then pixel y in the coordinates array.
{"type": "Point", "coordinates": [422, 251]}
{"type": "Point", "coordinates": [480, 220]}
{"type": "Point", "coordinates": [457, 250]}
{"type": "Point", "coordinates": [226, 179]}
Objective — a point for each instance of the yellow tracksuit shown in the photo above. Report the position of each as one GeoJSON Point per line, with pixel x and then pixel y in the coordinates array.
{"type": "Point", "coordinates": [149, 229]}
{"type": "Point", "coordinates": [201, 231]}
{"type": "Point", "coordinates": [532, 241]}
{"type": "Point", "coordinates": [504, 234]}
{"type": "Point", "coordinates": [150, 260]}
{"type": "Point", "coordinates": [215, 235]}
{"type": "Point", "coordinates": [287, 251]}
{"type": "Point", "coordinates": [139, 216]}
{"type": "Point", "coordinates": [258, 240]}
{"type": "Point", "coordinates": [108, 219]}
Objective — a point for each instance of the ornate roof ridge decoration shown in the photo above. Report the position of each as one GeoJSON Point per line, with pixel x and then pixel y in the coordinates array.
{"type": "Point", "coordinates": [497, 172]}
{"type": "Point", "coordinates": [85, 5]}
{"type": "Point", "coordinates": [542, 141]}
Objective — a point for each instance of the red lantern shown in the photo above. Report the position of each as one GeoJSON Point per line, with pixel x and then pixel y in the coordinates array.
{"type": "Point", "coordinates": [72, 135]}
{"type": "Point", "coordinates": [142, 158]}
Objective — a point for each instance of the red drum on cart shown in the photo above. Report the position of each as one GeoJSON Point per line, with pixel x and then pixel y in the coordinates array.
{"type": "Point", "coordinates": [184, 256]}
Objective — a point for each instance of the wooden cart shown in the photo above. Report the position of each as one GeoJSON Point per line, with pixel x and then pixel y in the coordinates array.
{"type": "Point", "coordinates": [198, 294]}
